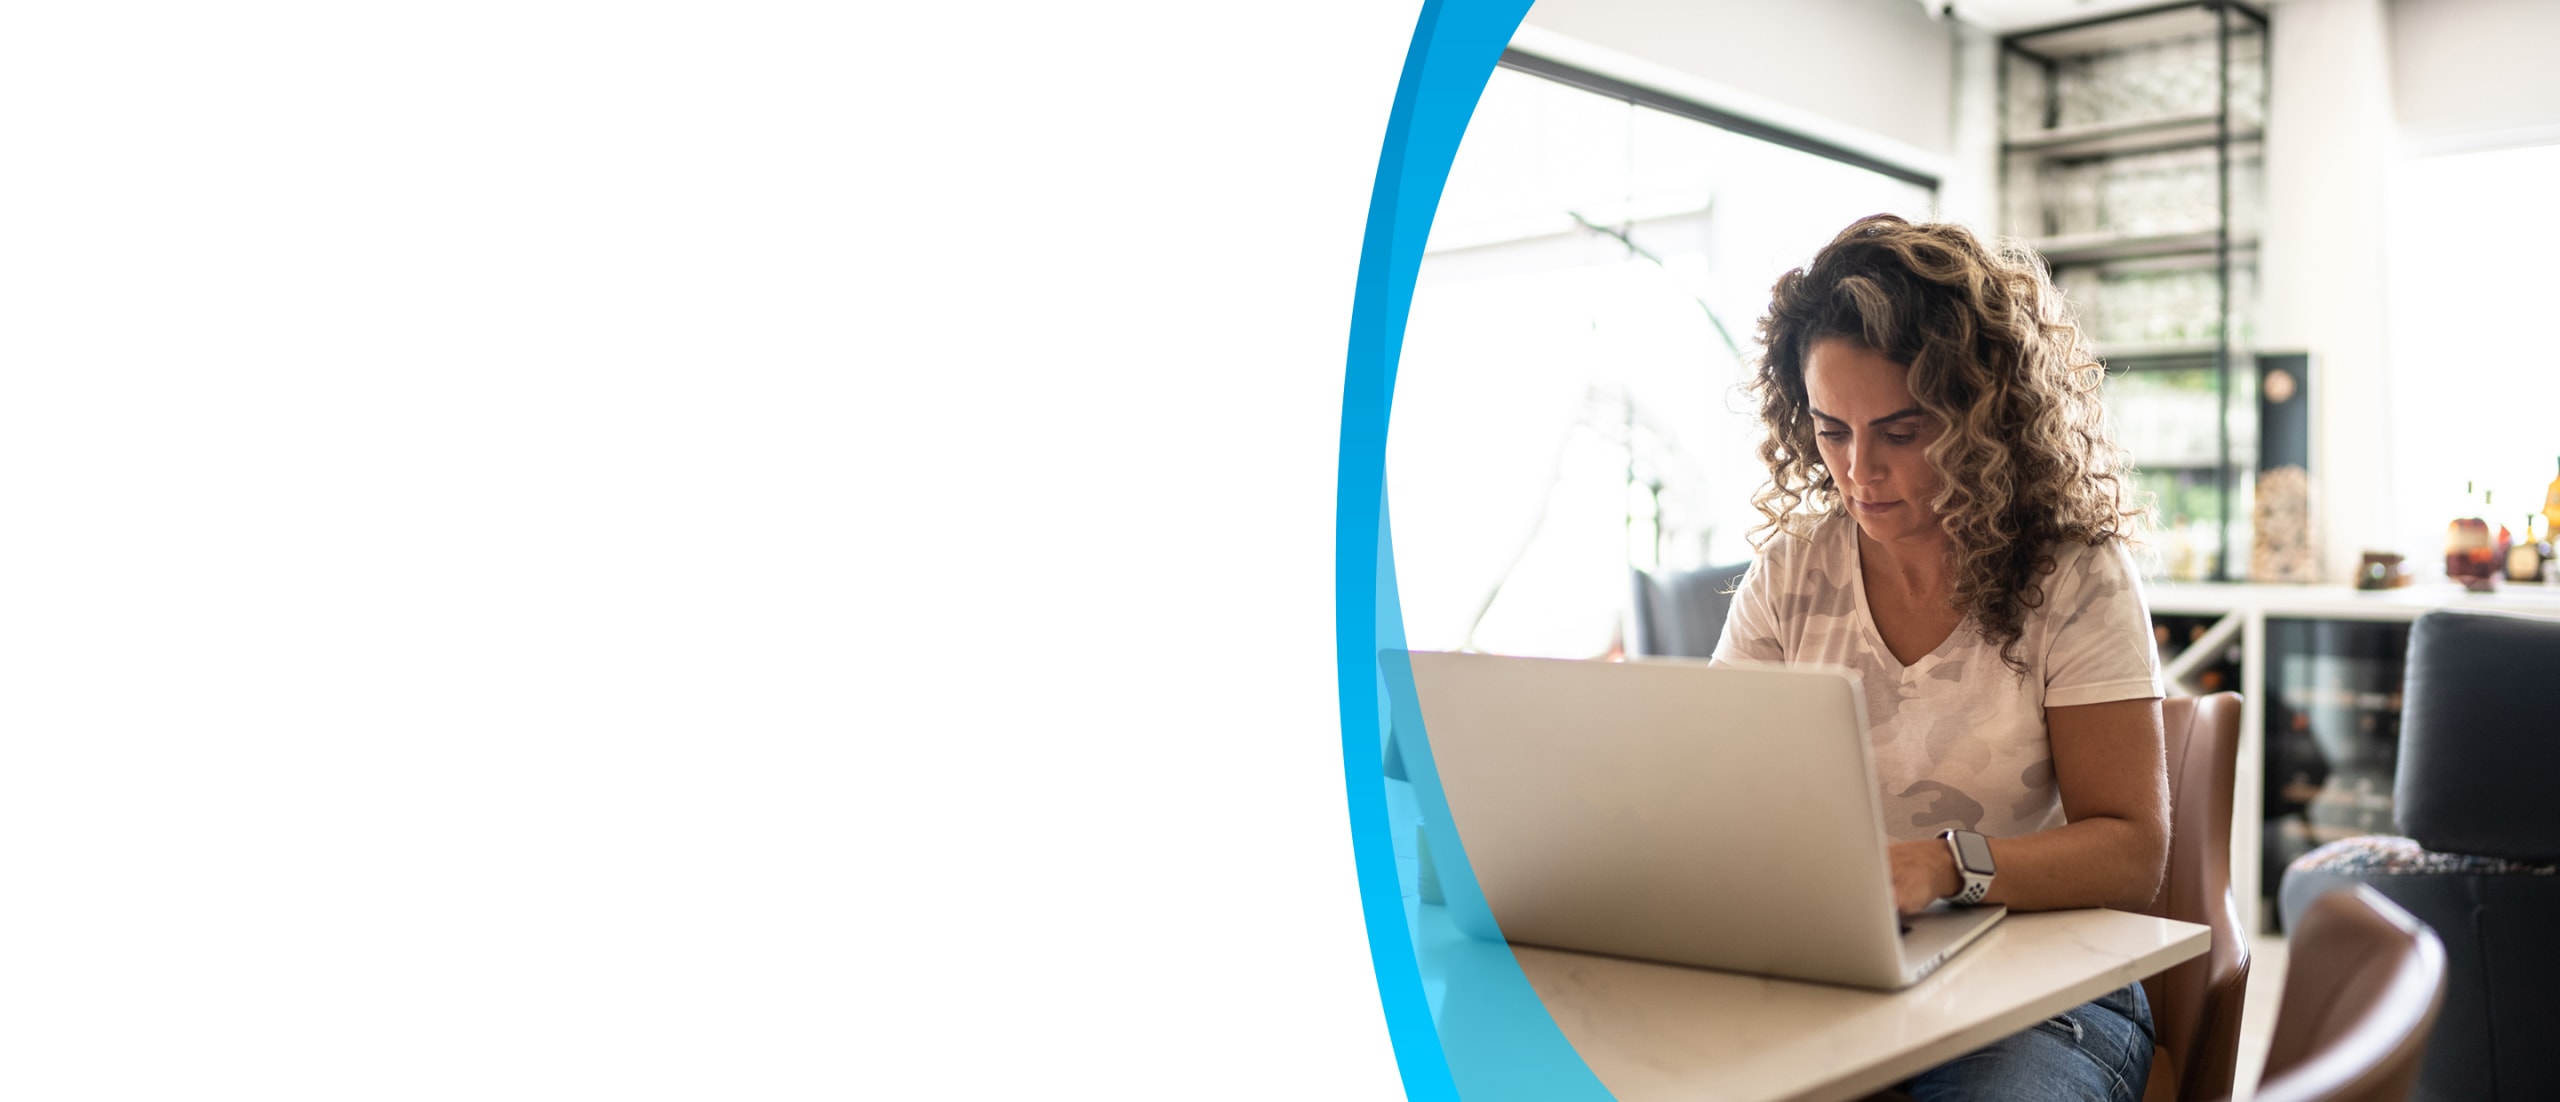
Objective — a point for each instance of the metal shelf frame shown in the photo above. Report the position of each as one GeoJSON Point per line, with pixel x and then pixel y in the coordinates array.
{"type": "Point", "coordinates": [2049, 48]}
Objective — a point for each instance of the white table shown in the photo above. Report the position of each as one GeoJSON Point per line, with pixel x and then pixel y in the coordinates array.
{"type": "Point", "coordinates": [1658, 1031]}
{"type": "Point", "coordinates": [2243, 611]}
{"type": "Point", "coordinates": [1663, 1031]}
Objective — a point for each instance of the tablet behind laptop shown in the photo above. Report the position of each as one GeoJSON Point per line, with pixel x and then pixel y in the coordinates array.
{"type": "Point", "coordinates": [1671, 811]}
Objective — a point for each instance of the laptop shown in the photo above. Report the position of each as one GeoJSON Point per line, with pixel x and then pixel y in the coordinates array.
{"type": "Point", "coordinates": [1664, 810]}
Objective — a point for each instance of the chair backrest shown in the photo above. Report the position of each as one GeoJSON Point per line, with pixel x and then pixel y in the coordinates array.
{"type": "Point", "coordinates": [2361, 992]}
{"type": "Point", "coordinates": [2195, 1007]}
{"type": "Point", "coordinates": [2476, 753]}
{"type": "Point", "coordinates": [1682, 614]}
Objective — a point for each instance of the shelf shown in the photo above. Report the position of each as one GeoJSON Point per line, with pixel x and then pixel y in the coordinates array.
{"type": "Point", "coordinates": [2137, 136]}
{"type": "Point", "coordinates": [2157, 173]}
{"type": "Point", "coordinates": [2123, 30]}
{"type": "Point", "coordinates": [2099, 248]}
{"type": "Point", "coordinates": [2333, 697]}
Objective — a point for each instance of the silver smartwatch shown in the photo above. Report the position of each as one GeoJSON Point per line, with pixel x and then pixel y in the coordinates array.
{"type": "Point", "coordinates": [1973, 863]}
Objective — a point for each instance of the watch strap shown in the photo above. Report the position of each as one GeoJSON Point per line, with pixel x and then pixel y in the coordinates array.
{"type": "Point", "coordinates": [1976, 884]}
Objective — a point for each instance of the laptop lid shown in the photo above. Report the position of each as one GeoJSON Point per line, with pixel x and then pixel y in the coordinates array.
{"type": "Point", "coordinates": [1666, 810]}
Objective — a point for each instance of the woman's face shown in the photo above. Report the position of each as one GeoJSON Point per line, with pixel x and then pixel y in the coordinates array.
{"type": "Point", "coordinates": [1873, 437]}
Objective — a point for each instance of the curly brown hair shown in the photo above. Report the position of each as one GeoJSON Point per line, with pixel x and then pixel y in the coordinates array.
{"type": "Point", "coordinates": [2026, 459]}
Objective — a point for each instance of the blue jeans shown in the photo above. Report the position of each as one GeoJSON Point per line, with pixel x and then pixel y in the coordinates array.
{"type": "Point", "coordinates": [2098, 1051]}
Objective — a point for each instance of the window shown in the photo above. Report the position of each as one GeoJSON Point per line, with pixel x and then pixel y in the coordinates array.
{"type": "Point", "coordinates": [1568, 402]}
{"type": "Point", "coordinates": [2474, 382]}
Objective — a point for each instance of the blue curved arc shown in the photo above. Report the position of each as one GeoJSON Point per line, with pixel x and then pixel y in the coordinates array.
{"type": "Point", "coordinates": [1493, 1038]}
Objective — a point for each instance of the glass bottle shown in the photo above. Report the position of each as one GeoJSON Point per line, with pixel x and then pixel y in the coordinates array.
{"type": "Point", "coordinates": [2551, 511]}
{"type": "Point", "coordinates": [2525, 559]}
{"type": "Point", "coordinates": [2506, 540]}
{"type": "Point", "coordinates": [2469, 557]}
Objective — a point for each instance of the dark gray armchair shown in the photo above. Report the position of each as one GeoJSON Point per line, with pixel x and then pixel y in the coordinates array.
{"type": "Point", "coordinates": [2478, 795]}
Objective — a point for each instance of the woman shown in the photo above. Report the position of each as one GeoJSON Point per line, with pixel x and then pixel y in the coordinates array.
{"type": "Point", "coordinates": [1946, 515]}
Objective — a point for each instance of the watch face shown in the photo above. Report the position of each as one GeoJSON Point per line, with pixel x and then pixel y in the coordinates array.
{"type": "Point", "coordinates": [1974, 851]}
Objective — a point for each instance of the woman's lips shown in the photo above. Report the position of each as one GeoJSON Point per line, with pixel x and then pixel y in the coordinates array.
{"type": "Point", "coordinates": [1874, 506]}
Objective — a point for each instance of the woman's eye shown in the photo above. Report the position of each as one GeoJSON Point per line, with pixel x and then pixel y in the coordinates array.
{"type": "Point", "coordinates": [1904, 439]}
{"type": "Point", "coordinates": [1834, 434]}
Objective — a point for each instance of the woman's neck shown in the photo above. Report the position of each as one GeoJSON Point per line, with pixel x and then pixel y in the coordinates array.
{"type": "Point", "coordinates": [1915, 568]}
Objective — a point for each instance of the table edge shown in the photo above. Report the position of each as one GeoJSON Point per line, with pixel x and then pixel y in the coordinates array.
{"type": "Point", "coordinates": [2196, 941]}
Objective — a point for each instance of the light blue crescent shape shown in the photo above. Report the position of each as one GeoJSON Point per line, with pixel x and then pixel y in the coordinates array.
{"type": "Point", "coordinates": [1464, 1020]}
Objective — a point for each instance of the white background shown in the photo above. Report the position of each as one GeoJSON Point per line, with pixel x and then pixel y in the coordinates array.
{"type": "Point", "coordinates": [742, 550]}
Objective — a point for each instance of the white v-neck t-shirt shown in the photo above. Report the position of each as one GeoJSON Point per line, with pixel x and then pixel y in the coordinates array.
{"type": "Point", "coordinates": [1958, 737]}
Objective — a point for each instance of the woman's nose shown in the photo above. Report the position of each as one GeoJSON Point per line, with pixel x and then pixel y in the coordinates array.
{"type": "Point", "coordinates": [1862, 463]}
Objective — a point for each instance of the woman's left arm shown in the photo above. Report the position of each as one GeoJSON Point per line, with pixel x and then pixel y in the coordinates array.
{"type": "Point", "coordinates": [2109, 763]}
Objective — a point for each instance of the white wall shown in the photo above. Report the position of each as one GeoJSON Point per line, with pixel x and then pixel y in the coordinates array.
{"type": "Point", "coordinates": [2322, 263]}
{"type": "Point", "coordinates": [1879, 66]}
{"type": "Point", "coordinates": [2474, 74]}
{"type": "Point", "coordinates": [1969, 191]}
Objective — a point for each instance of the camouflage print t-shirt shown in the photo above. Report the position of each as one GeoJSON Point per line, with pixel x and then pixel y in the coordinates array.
{"type": "Point", "coordinates": [1958, 737]}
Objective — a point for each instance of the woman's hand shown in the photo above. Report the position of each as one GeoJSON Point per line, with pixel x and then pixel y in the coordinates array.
{"type": "Point", "coordinates": [1924, 872]}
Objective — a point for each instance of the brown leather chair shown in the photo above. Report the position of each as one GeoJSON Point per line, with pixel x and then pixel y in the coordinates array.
{"type": "Point", "coordinates": [2195, 1007]}
{"type": "Point", "coordinates": [2360, 997]}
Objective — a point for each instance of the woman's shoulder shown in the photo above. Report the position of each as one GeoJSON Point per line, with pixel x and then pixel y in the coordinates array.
{"type": "Point", "coordinates": [2090, 574]}
{"type": "Point", "coordinates": [2109, 560]}
{"type": "Point", "coordinates": [1804, 543]}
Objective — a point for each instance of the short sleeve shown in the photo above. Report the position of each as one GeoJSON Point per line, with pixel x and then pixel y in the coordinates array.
{"type": "Point", "coordinates": [1751, 626]}
{"type": "Point", "coordinates": [2101, 648]}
